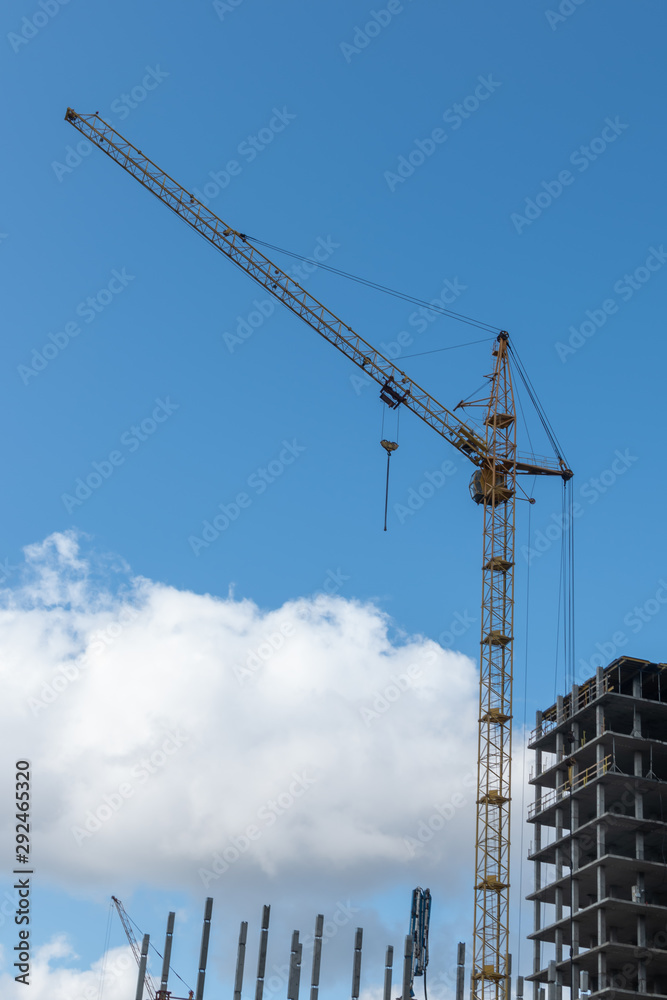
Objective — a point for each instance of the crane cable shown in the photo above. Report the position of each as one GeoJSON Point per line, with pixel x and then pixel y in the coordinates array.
{"type": "Point", "coordinates": [489, 327]}
{"type": "Point", "coordinates": [530, 389]}
{"type": "Point", "coordinates": [105, 953]}
{"type": "Point", "coordinates": [524, 747]}
{"type": "Point", "coordinates": [158, 953]}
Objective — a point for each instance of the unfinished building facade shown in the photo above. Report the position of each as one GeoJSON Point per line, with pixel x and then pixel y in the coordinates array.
{"type": "Point", "coordinates": [600, 836]}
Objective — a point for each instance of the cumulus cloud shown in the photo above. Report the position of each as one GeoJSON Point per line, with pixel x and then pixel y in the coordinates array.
{"type": "Point", "coordinates": [116, 973]}
{"type": "Point", "coordinates": [310, 755]}
{"type": "Point", "coordinates": [174, 734]}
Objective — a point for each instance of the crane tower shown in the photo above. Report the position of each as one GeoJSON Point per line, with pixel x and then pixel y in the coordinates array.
{"type": "Point", "coordinates": [497, 464]}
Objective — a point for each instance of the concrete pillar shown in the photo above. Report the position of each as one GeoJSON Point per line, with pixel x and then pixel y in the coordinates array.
{"type": "Point", "coordinates": [599, 681]}
{"type": "Point", "coordinates": [599, 720]}
{"type": "Point", "coordinates": [639, 845]}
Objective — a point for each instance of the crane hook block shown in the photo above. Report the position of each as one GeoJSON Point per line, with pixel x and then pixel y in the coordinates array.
{"type": "Point", "coordinates": [389, 446]}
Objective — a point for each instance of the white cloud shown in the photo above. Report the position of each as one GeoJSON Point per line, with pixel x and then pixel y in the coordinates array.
{"type": "Point", "coordinates": [117, 971]}
{"type": "Point", "coordinates": [307, 756]}
{"type": "Point", "coordinates": [166, 727]}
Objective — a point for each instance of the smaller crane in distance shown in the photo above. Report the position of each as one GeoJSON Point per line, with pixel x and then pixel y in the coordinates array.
{"type": "Point", "coordinates": [129, 933]}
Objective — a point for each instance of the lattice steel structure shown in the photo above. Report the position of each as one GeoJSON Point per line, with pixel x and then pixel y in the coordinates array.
{"type": "Point", "coordinates": [492, 848]}
{"type": "Point", "coordinates": [492, 451]}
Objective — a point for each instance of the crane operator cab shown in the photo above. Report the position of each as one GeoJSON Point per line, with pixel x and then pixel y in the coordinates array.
{"type": "Point", "coordinates": [484, 490]}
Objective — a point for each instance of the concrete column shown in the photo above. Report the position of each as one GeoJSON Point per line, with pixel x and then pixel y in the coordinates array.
{"type": "Point", "coordinates": [599, 681]}
{"type": "Point", "coordinates": [636, 721]}
{"type": "Point", "coordinates": [537, 872]}
{"type": "Point", "coordinates": [602, 926]}
{"type": "Point", "coordinates": [599, 721]}
{"type": "Point", "coordinates": [641, 943]}
{"type": "Point", "coordinates": [600, 827]}
{"type": "Point", "coordinates": [639, 846]}
{"type": "Point", "coordinates": [602, 970]}
{"type": "Point", "coordinates": [601, 892]}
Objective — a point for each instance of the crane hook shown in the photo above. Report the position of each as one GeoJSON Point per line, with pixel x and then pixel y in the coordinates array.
{"type": "Point", "coordinates": [389, 447]}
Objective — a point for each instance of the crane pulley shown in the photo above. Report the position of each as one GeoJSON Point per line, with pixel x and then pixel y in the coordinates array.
{"type": "Point", "coordinates": [492, 451]}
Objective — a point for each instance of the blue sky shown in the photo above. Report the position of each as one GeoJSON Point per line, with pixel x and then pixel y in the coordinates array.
{"type": "Point", "coordinates": [541, 205]}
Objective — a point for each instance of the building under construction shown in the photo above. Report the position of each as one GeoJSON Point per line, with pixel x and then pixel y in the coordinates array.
{"type": "Point", "coordinates": [600, 836]}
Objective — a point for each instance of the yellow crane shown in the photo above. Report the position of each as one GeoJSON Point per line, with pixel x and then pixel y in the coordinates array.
{"type": "Point", "coordinates": [493, 487]}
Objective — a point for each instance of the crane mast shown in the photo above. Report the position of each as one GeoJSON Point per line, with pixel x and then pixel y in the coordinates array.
{"type": "Point", "coordinates": [493, 486]}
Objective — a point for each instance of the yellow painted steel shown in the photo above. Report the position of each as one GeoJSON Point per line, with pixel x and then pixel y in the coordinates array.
{"type": "Point", "coordinates": [494, 488]}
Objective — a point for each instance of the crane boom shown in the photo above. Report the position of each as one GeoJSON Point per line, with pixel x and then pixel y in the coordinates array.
{"type": "Point", "coordinates": [396, 385]}
{"type": "Point", "coordinates": [493, 487]}
{"type": "Point", "coordinates": [129, 933]}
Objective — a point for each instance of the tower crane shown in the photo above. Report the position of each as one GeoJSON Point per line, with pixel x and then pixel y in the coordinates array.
{"type": "Point", "coordinates": [129, 933]}
{"type": "Point", "coordinates": [497, 463]}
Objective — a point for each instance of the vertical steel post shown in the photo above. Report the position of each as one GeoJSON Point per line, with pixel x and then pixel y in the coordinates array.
{"type": "Point", "coordinates": [356, 967]}
{"type": "Point", "coordinates": [167, 951]}
{"type": "Point", "coordinates": [388, 964]}
{"type": "Point", "coordinates": [317, 957]}
{"type": "Point", "coordinates": [294, 968]}
{"type": "Point", "coordinates": [460, 970]}
{"type": "Point", "coordinates": [203, 954]}
{"type": "Point", "coordinates": [407, 968]}
{"type": "Point", "coordinates": [142, 967]}
{"type": "Point", "coordinates": [261, 958]}
{"type": "Point", "coordinates": [240, 960]}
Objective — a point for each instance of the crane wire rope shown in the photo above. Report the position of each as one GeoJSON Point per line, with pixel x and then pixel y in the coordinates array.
{"type": "Point", "coordinates": [105, 953]}
{"type": "Point", "coordinates": [532, 393]}
{"type": "Point", "coordinates": [171, 969]}
{"type": "Point", "coordinates": [437, 350]}
{"type": "Point", "coordinates": [524, 748]}
{"type": "Point", "coordinates": [489, 327]}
